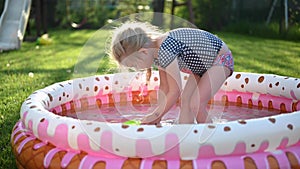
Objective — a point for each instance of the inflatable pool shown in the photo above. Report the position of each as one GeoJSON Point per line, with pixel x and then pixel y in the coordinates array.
{"type": "Point", "coordinates": [80, 124]}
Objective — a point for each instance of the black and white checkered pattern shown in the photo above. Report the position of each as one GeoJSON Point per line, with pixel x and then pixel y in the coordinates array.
{"type": "Point", "coordinates": [195, 50]}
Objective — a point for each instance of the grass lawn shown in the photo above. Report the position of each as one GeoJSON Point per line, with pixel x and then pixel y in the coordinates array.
{"type": "Point", "coordinates": [67, 58]}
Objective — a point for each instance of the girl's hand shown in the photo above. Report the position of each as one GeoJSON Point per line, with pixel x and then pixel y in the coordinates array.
{"type": "Point", "coordinates": [153, 118]}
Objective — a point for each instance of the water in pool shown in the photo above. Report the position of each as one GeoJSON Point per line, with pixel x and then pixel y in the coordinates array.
{"type": "Point", "coordinates": [122, 113]}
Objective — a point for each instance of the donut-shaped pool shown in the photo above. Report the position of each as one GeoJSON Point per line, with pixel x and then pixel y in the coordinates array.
{"type": "Point", "coordinates": [80, 123]}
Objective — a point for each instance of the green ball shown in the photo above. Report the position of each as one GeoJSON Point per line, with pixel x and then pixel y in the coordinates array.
{"type": "Point", "coordinates": [132, 122]}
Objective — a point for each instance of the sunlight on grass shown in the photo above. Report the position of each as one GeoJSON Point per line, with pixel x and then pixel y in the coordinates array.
{"type": "Point", "coordinates": [93, 58]}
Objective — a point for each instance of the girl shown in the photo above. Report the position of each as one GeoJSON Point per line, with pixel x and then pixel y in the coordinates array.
{"type": "Point", "coordinates": [201, 54]}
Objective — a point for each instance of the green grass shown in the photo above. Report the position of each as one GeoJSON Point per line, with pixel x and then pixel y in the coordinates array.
{"type": "Point", "coordinates": [68, 58]}
{"type": "Point", "coordinates": [259, 55]}
{"type": "Point", "coordinates": [271, 30]}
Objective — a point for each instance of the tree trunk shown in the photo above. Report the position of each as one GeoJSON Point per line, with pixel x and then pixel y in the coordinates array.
{"type": "Point", "coordinates": [158, 9]}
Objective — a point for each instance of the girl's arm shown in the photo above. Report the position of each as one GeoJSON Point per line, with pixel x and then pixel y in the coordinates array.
{"type": "Point", "coordinates": [163, 85]}
{"type": "Point", "coordinates": [170, 89]}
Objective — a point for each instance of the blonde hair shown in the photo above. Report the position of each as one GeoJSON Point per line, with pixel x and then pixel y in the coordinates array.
{"type": "Point", "coordinates": [130, 37]}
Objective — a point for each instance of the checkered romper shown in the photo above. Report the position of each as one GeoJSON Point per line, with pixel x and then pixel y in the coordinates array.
{"type": "Point", "coordinates": [194, 49]}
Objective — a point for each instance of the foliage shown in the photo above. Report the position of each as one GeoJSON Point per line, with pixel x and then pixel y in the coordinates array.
{"type": "Point", "coordinates": [245, 17]}
{"type": "Point", "coordinates": [96, 13]}
{"type": "Point", "coordinates": [295, 12]}
{"type": "Point", "coordinates": [127, 7]}
{"type": "Point", "coordinates": [93, 13]}
{"type": "Point", "coordinates": [211, 14]}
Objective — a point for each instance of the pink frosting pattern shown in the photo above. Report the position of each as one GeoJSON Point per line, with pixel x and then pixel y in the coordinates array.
{"type": "Point", "coordinates": [89, 161]}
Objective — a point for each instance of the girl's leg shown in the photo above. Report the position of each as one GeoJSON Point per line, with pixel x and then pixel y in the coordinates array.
{"type": "Point", "coordinates": [185, 116]}
{"type": "Point", "coordinates": [208, 86]}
